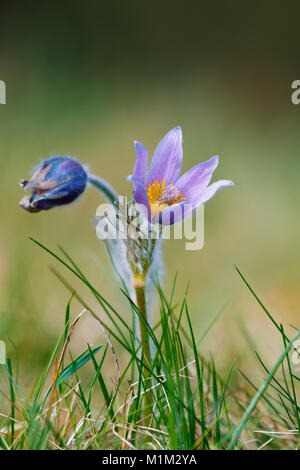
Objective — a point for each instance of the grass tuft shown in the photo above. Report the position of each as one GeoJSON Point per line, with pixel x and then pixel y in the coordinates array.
{"type": "Point", "coordinates": [194, 406]}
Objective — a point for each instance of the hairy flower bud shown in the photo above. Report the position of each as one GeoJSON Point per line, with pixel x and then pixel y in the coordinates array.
{"type": "Point", "coordinates": [55, 182]}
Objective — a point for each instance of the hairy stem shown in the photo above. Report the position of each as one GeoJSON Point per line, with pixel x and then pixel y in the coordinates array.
{"type": "Point", "coordinates": [141, 303]}
{"type": "Point", "coordinates": [103, 187]}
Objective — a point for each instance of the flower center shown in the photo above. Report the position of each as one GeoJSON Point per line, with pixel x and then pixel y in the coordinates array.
{"type": "Point", "coordinates": [161, 196]}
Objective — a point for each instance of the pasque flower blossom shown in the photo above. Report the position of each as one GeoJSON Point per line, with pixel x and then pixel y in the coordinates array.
{"type": "Point", "coordinates": [168, 197]}
{"type": "Point", "coordinates": [55, 182]}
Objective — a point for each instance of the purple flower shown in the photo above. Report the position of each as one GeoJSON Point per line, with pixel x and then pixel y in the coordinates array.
{"type": "Point", "coordinates": [55, 182]}
{"type": "Point", "coordinates": [167, 197]}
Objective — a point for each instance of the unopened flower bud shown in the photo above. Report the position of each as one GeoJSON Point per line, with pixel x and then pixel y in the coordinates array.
{"type": "Point", "coordinates": [55, 182]}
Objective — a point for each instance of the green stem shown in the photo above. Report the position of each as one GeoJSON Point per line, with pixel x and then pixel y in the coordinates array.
{"type": "Point", "coordinates": [148, 401]}
{"type": "Point", "coordinates": [103, 187]}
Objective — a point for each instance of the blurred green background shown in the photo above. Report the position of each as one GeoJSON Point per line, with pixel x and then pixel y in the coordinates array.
{"type": "Point", "coordinates": [86, 79]}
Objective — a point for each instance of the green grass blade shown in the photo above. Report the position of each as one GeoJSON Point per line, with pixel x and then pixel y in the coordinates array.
{"type": "Point", "coordinates": [12, 399]}
{"type": "Point", "coordinates": [257, 397]}
{"type": "Point", "coordinates": [75, 365]}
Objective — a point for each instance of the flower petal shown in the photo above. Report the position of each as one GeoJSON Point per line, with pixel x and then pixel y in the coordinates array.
{"type": "Point", "coordinates": [197, 178]}
{"type": "Point", "coordinates": [141, 165]}
{"type": "Point", "coordinates": [140, 193]}
{"type": "Point", "coordinates": [167, 158]}
{"type": "Point", "coordinates": [177, 212]}
{"type": "Point", "coordinates": [211, 190]}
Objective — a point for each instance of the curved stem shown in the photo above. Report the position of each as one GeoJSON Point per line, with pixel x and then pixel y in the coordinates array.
{"type": "Point", "coordinates": [103, 187]}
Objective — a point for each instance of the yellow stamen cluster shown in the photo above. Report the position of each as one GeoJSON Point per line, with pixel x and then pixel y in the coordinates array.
{"type": "Point", "coordinates": [161, 196]}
